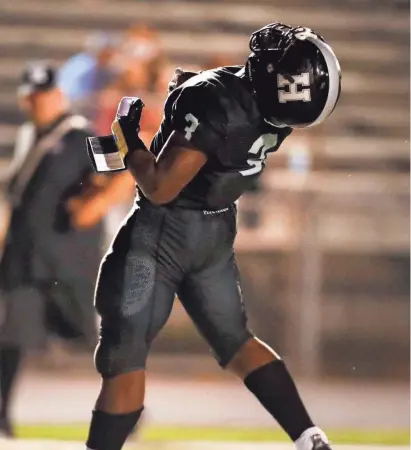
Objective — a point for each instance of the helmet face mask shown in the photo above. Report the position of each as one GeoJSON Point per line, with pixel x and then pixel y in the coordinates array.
{"type": "Point", "coordinates": [294, 74]}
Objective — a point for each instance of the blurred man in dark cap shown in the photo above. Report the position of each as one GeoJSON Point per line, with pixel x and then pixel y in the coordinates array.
{"type": "Point", "coordinates": [54, 240]}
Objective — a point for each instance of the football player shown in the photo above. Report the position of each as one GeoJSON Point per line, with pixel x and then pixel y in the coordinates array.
{"type": "Point", "coordinates": [218, 127]}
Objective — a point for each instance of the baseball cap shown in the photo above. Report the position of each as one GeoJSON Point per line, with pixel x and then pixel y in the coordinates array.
{"type": "Point", "coordinates": [37, 77]}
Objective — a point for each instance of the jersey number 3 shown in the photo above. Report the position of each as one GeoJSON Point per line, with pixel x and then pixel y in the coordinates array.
{"type": "Point", "coordinates": [193, 124]}
{"type": "Point", "coordinates": [258, 153]}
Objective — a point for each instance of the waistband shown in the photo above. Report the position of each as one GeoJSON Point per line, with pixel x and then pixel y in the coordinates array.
{"type": "Point", "coordinates": [172, 206]}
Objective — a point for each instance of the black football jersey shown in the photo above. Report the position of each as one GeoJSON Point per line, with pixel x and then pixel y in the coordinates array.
{"type": "Point", "coordinates": [217, 113]}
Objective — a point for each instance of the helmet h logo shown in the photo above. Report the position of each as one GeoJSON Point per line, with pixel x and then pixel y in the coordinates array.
{"type": "Point", "coordinates": [303, 33]}
{"type": "Point", "coordinates": [294, 92]}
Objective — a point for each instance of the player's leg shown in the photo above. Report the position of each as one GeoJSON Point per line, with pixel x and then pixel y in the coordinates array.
{"type": "Point", "coordinates": [22, 330]}
{"type": "Point", "coordinates": [267, 377]}
{"type": "Point", "coordinates": [10, 362]}
{"type": "Point", "coordinates": [134, 299]}
{"type": "Point", "coordinates": [213, 300]}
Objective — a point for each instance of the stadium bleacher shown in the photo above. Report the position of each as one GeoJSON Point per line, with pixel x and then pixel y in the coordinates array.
{"type": "Point", "coordinates": [374, 103]}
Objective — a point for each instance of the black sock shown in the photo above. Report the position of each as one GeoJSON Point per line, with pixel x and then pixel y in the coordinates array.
{"type": "Point", "coordinates": [275, 389]}
{"type": "Point", "coordinates": [110, 431]}
{"type": "Point", "coordinates": [10, 358]}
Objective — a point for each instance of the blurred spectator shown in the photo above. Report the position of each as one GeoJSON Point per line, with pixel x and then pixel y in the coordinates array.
{"type": "Point", "coordinates": [89, 72]}
{"type": "Point", "coordinates": [219, 60]}
{"type": "Point", "coordinates": [140, 62]}
{"type": "Point", "coordinates": [54, 240]}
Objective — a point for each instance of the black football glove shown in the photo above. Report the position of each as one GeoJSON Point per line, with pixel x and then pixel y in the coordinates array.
{"type": "Point", "coordinates": [109, 153]}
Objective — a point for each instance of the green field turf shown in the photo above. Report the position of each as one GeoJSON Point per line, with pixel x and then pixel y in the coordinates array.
{"type": "Point", "coordinates": [158, 433]}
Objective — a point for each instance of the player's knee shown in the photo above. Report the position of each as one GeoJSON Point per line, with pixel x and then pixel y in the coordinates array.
{"type": "Point", "coordinates": [120, 350]}
{"type": "Point", "coordinates": [250, 356]}
{"type": "Point", "coordinates": [122, 393]}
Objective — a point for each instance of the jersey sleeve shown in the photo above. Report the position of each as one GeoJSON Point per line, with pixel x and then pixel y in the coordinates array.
{"type": "Point", "coordinates": [197, 114]}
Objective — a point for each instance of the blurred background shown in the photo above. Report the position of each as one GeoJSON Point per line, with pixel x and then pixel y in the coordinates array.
{"type": "Point", "coordinates": [324, 238]}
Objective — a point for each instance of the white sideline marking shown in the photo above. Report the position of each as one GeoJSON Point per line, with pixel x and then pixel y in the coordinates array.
{"type": "Point", "coordinates": [59, 445]}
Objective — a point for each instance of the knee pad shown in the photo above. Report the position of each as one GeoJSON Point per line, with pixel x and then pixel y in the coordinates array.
{"type": "Point", "coordinates": [120, 350]}
{"type": "Point", "coordinates": [227, 347]}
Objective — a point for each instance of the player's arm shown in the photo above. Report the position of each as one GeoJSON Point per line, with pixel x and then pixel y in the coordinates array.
{"type": "Point", "coordinates": [161, 179]}
{"type": "Point", "coordinates": [177, 164]}
{"type": "Point", "coordinates": [199, 130]}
